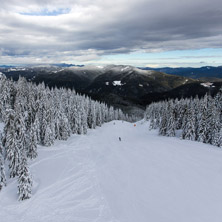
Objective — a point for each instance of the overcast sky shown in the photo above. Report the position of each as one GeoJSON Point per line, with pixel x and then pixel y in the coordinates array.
{"type": "Point", "coordinates": [136, 32]}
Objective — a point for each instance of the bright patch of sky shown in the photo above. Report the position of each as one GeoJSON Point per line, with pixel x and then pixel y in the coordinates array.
{"type": "Point", "coordinates": [178, 58]}
{"type": "Point", "coordinates": [47, 12]}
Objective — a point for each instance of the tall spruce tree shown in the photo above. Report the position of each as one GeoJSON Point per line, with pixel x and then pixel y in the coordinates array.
{"type": "Point", "coordinates": [171, 121]}
{"type": "Point", "coordinates": [188, 130]}
{"type": "Point", "coordinates": [24, 179]}
{"type": "Point", "coordinates": [32, 142]}
{"type": "Point", "coordinates": [163, 124]}
{"type": "Point", "coordinates": [11, 143]}
{"type": "Point", "coordinates": [2, 167]}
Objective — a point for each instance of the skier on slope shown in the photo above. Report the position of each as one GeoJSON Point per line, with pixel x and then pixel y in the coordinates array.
{"type": "Point", "coordinates": [119, 138]}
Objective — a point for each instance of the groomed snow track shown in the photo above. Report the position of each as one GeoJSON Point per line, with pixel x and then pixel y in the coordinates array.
{"type": "Point", "coordinates": [97, 178]}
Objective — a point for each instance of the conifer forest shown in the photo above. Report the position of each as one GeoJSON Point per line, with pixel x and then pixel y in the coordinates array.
{"type": "Point", "coordinates": [37, 115]}
{"type": "Point", "coordinates": [196, 119]}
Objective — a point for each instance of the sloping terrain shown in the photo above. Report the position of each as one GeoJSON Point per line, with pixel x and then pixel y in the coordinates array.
{"type": "Point", "coordinates": [121, 86]}
{"type": "Point", "coordinates": [144, 177]}
{"type": "Point", "coordinates": [131, 83]}
{"type": "Point", "coordinates": [183, 91]}
{"type": "Point", "coordinates": [125, 87]}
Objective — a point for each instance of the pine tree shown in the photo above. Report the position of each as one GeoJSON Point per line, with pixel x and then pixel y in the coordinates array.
{"type": "Point", "coordinates": [84, 121]}
{"type": "Point", "coordinates": [188, 129]}
{"type": "Point", "coordinates": [152, 122]}
{"type": "Point", "coordinates": [64, 128]}
{"type": "Point", "coordinates": [171, 122]}
{"type": "Point", "coordinates": [202, 127]}
{"type": "Point", "coordinates": [48, 139]}
{"type": "Point", "coordinates": [2, 168]}
{"type": "Point", "coordinates": [99, 115]}
{"type": "Point", "coordinates": [163, 125]}
{"type": "Point", "coordinates": [217, 130]}
{"type": "Point", "coordinates": [32, 142]}
{"type": "Point", "coordinates": [24, 180]}
{"type": "Point", "coordinates": [210, 119]}
{"type": "Point", "coordinates": [74, 119]}
{"type": "Point", "coordinates": [11, 144]}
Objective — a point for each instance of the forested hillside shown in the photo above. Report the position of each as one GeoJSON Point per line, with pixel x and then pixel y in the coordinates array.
{"type": "Point", "coordinates": [192, 119]}
{"type": "Point", "coordinates": [34, 114]}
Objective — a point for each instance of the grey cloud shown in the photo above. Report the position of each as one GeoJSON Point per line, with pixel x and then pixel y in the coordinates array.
{"type": "Point", "coordinates": [109, 27]}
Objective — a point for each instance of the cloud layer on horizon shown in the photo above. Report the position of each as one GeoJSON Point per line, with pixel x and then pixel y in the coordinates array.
{"type": "Point", "coordinates": [38, 31]}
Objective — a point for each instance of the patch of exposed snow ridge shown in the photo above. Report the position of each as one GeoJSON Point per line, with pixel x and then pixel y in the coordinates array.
{"type": "Point", "coordinates": [186, 80]}
{"type": "Point", "coordinates": [117, 83]}
{"type": "Point", "coordinates": [207, 84]}
{"type": "Point", "coordinates": [100, 67]}
{"type": "Point", "coordinates": [125, 68]}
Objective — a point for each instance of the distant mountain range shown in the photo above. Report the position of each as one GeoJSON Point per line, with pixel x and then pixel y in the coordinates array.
{"type": "Point", "coordinates": [122, 86]}
{"type": "Point", "coordinates": [196, 73]}
{"type": "Point", "coordinates": [42, 65]}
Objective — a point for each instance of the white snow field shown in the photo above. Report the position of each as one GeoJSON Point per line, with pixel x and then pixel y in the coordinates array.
{"type": "Point", "coordinates": [144, 177]}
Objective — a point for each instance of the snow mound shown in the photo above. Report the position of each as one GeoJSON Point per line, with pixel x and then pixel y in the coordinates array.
{"type": "Point", "coordinates": [144, 177]}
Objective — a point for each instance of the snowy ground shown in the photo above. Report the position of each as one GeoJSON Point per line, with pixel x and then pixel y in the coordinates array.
{"type": "Point", "coordinates": [97, 178]}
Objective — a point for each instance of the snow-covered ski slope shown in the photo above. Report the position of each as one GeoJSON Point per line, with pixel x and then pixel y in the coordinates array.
{"type": "Point", "coordinates": [97, 178]}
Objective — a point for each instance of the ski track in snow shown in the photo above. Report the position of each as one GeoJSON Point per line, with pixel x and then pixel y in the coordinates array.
{"type": "Point", "coordinates": [97, 178]}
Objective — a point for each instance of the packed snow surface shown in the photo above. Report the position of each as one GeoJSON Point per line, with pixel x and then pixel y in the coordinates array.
{"type": "Point", "coordinates": [144, 177]}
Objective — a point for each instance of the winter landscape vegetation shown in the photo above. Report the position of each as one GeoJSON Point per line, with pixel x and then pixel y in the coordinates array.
{"type": "Point", "coordinates": [110, 111]}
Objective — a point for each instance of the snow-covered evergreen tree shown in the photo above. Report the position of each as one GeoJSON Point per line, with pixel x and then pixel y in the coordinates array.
{"type": "Point", "coordinates": [32, 142]}
{"type": "Point", "coordinates": [217, 131]}
{"type": "Point", "coordinates": [163, 124]}
{"type": "Point", "coordinates": [197, 119]}
{"type": "Point", "coordinates": [171, 121]}
{"type": "Point", "coordinates": [24, 179]}
{"type": "Point", "coordinates": [202, 127]}
{"type": "Point", "coordinates": [2, 167]}
{"type": "Point", "coordinates": [11, 143]}
{"type": "Point", "coordinates": [188, 129]}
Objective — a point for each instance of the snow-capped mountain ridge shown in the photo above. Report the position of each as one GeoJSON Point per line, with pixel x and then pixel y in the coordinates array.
{"type": "Point", "coordinates": [137, 87]}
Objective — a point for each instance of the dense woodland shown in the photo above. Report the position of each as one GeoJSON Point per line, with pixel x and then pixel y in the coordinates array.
{"type": "Point", "coordinates": [37, 115]}
{"type": "Point", "coordinates": [193, 119]}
